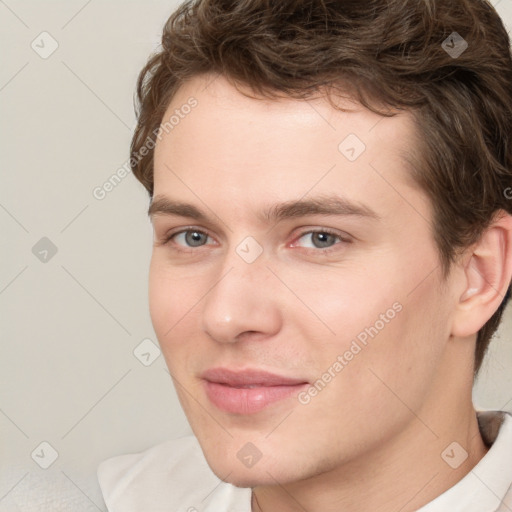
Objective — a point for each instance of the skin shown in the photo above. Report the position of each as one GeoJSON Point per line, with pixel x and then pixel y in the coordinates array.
{"type": "Point", "coordinates": [372, 439]}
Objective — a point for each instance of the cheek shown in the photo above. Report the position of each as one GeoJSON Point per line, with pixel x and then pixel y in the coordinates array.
{"type": "Point", "coordinates": [171, 299]}
{"type": "Point", "coordinates": [342, 303]}
{"type": "Point", "coordinates": [161, 300]}
{"type": "Point", "coordinates": [171, 302]}
{"type": "Point", "coordinates": [383, 325]}
{"type": "Point", "coordinates": [398, 359]}
{"type": "Point", "coordinates": [369, 392]}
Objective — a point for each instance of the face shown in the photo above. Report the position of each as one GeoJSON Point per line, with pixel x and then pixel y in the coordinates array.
{"type": "Point", "coordinates": [294, 280]}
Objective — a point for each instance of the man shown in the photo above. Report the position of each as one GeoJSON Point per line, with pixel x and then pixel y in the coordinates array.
{"type": "Point", "coordinates": [332, 252]}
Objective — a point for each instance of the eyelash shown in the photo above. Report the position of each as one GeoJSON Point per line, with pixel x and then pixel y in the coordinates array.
{"type": "Point", "coordinates": [168, 239]}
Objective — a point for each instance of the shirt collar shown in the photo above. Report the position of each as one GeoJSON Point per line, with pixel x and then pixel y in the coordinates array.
{"type": "Point", "coordinates": [484, 488]}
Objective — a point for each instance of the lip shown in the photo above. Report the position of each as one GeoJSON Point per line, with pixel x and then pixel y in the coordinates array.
{"type": "Point", "coordinates": [248, 391]}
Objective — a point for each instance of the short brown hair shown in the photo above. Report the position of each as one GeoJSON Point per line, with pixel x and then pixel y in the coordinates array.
{"type": "Point", "coordinates": [386, 54]}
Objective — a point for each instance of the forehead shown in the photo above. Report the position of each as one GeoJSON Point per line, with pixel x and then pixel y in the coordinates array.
{"type": "Point", "coordinates": [218, 104]}
{"type": "Point", "coordinates": [278, 149]}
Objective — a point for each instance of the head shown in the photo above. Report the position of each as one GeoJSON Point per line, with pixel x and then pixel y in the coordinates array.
{"type": "Point", "coordinates": [371, 124]}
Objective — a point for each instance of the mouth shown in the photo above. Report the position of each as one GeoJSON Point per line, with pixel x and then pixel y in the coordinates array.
{"type": "Point", "coordinates": [248, 391]}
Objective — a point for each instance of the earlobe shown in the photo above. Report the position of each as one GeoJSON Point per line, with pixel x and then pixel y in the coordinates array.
{"type": "Point", "coordinates": [487, 275]}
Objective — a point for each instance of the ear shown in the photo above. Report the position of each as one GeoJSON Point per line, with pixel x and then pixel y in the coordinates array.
{"type": "Point", "coordinates": [485, 278]}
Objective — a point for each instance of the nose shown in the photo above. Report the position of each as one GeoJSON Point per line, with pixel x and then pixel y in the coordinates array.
{"type": "Point", "coordinates": [243, 300]}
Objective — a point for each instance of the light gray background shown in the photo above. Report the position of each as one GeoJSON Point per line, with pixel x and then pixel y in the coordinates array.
{"type": "Point", "coordinates": [70, 325]}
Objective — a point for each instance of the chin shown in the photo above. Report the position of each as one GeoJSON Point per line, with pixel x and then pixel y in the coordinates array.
{"type": "Point", "coordinates": [234, 465]}
{"type": "Point", "coordinates": [248, 480]}
{"type": "Point", "coordinates": [243, 477]}
{"type": "Point", "coordinates": [242, 468]}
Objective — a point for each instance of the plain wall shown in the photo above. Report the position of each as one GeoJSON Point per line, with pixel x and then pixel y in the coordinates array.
{"type": "Point", "coordinates": [69, 325]}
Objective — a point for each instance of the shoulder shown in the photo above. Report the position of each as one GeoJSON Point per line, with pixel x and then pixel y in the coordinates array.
{"type": "Point", "coordinates": [170, 476]}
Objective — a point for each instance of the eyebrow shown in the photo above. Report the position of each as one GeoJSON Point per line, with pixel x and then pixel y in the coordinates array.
{"type": "Point", "coordinates": [321, 205]}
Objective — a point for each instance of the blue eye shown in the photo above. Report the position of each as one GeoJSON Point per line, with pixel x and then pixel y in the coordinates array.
{"type": "Point", "coordinates": [192, 237]}
{"type": "Point", "coordinates": [322, 239]}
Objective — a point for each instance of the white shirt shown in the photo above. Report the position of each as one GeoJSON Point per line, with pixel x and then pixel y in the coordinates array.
{"type": "Point", "coordinates": [174, 477]}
